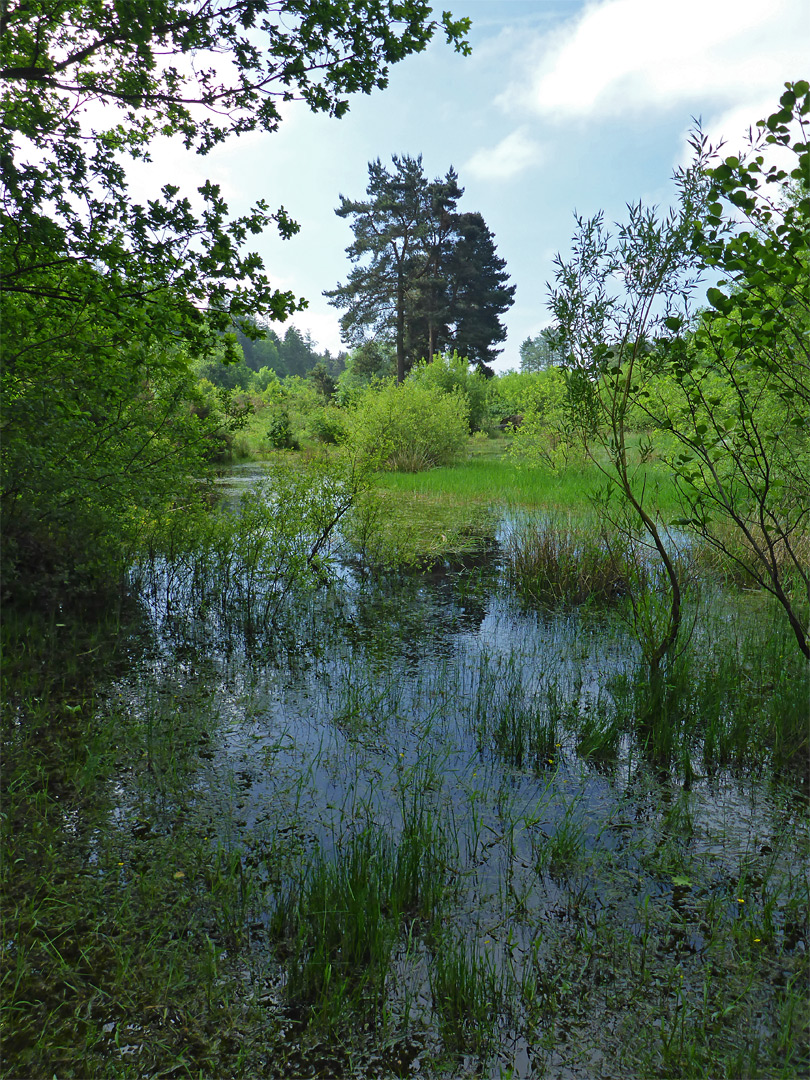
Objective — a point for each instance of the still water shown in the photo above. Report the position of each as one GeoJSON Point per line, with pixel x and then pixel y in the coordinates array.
{"type": "Point", "coordinates": [378, 695]}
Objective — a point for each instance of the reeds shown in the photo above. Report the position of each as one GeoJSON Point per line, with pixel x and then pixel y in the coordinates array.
{"type": "Point", "coordinates": [552, 561]}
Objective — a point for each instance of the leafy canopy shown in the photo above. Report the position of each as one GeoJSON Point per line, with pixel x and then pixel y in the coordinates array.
{"type": "Point", "coordinates": [106, 301]}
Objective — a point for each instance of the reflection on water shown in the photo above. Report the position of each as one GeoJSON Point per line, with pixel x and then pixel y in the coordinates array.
{"type": "Point", "coordinates": [371, 695]}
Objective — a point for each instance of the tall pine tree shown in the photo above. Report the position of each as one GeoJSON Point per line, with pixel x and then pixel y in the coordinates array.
{"type": "Point", "coordinates": [425, 278]}
{"type": "Point", "coordinates": [478, 292]}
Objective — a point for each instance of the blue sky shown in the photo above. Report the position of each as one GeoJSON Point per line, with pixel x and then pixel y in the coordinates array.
{"type": "Point", "coordinates": [562, 105]}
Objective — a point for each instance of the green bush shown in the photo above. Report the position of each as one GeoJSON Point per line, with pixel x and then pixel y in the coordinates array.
{"type": "Point", "coordinates": [410, 427]}
{"type": "Point", "coordinates": [451, 373]}
{"type": "Point", "coordinates": [329, 425]}
{"type": "Point", "coordinates": [278, 431]}
{"type": "Point", "coordinates": [548, 435]}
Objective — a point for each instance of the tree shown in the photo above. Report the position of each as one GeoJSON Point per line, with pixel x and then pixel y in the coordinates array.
{"type": "Point", "coordinates": [737, 408]}
{"type": "Point", "coordinates": [323, 380]}
{"type": "Point", "coordinates": [104, 298]}
{"type": "Point", "coordinates": [478, 294]}
{"type": "Point", "coordinates": [452, 374]}
{"type": "Point", "coordinates": [541, 352]}
{"type": "Point", "coordinates": [610, 297]}
{"type": "Point", "coordinates": [740, 420]}
{"type": "Point", "coordinates": [260, 347]}
{"type": "Point", "coordinates": [398, 231]}
{"type": "Point", "coordinates": [425, 278]}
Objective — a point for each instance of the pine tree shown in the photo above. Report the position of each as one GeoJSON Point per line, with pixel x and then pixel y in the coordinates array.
{"type": "Point", "coordinates": [479, 295]}
{"type": "Point", "coordinates": [389, 253]}
{"type": "Point", "coordinates": [540, 352]}
{"type": "Point", "coordinates": [425, 278]}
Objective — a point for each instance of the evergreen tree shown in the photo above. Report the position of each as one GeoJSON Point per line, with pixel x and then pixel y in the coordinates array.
{"type": "Point", "coordinates": [297, 352]}
{"type": "Point", "coordinates": [425, 278]}
{"type": "Point", "coordinates": [478, 294]}
{"type": "Point", "coordinates": [396, 229]}
{"type": "Point", "coordinates": [540, 352]}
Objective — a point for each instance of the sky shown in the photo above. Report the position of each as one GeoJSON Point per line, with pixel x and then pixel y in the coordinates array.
{"type": "Point", "coordinates": [563, 106]}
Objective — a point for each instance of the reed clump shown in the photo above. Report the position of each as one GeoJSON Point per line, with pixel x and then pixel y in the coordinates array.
{"type": "Point", "coordinates": [553, 561]}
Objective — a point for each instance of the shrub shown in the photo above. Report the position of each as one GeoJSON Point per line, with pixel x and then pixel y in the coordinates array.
{"type": "Point", "coordinates": [410, 427]}
{"type": "Point", "coordinates": [278, 432]}
{"type": "Point", "coordinates": [547, 435]}
{"type": "Point", "coordinates": [329, 425]}
{"type": "Point", "coordinates": [451, 373]}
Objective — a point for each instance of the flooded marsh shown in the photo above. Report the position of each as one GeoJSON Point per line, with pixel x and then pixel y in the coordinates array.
{"type": "Point", "coordinates": [412, 825]}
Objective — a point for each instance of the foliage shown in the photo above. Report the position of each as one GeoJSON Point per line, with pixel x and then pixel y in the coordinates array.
{"type": "Point", "coordinates": [111, 442]}
{"type": "Point", "coordinates": [549, 433]}
{"type": "Point", "coordinates": [105, 300]}
{"type": "Point", "coordinates": [540, 352]}
{"type": "Point", "coordinates": [509, 394]}
{"type": "Point", "coordinates": [424, 277]}
{"type": "Point", "coordinates": [609, 299]}
{"type": "Point", "coordinates": [736, 381]}
{"type": "Point", "coordinates": [59, 60]}
{"type": "Point", "coordinates": [410, 426]}
{"type": "Point", "coordinates": [741, 418]}
{"type": "Point", "coordinates": [251, 559]}
{"type": "Point", "coordinates": [329, 425]}
{"type": "Point", "coordinates": [278, 432]}
{"type": "Point", "coordinates": [232, 374]}
{"type": "Point", "coordinates": [451, 373]}
{"type": "Point", "coordinates": [320, 376]}
{"type": "Point", "coordinates": [294, 354]}
{"type": "Point", "coordinates": [472, 279]}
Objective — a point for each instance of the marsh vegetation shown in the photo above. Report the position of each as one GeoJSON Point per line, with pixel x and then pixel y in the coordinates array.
{"type": "Point", "coordinates": [429, 819]}
{"type": "Point", "coordinates": [464, 730]}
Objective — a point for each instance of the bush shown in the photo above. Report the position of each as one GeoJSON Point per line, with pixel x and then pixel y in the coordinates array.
{"type": "Point", "coordinates": [547, 435]}
{"type": "Point", "coordinates": [329, 425]}
{"type": "Point", "coordinates": [410, 427]}
{"type": "Point", "coordinates": [278, 431]}
{"type": "Point", "coordinates": [452, 374]}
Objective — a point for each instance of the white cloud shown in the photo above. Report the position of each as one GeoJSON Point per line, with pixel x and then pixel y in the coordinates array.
{"type": "Point", "coordinates": [511, 156]}
{"type": "Point", "coordinates": [630, 56]}
{"type": "Point", "coordinates": [322, 322]}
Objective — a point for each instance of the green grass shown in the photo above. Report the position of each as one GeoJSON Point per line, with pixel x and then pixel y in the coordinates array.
{"type": "Point", "coordinates": [469, 994]}
{"type": "Point", "coordinates": [498, 480]}
{"type": "Point", "coordinates": [552, 561]}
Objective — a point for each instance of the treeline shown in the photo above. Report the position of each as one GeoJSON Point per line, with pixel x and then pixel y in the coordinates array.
{"type": "Point", "coordinates": [293, 354]}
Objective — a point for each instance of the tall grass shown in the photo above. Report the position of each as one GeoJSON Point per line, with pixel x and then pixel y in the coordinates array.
{"type": "Point", "coordinates": [551, 560]}
{"type": "Point", "coordinates": [469, 993]}
{"type": "Point", "coordinates": [341, 924]}
{"type": "Point", "coordinates": [509, 717]}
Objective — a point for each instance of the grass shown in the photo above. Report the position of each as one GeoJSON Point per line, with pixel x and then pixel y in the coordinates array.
{"type": "Point", "coordinates": [418, 531]}
{"type": "Point", "coordinates": [551, 560]}
{"type": "Point", "coordinates": [469, 995]}
{"type": "Point", "coordinates": [492, 477]}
